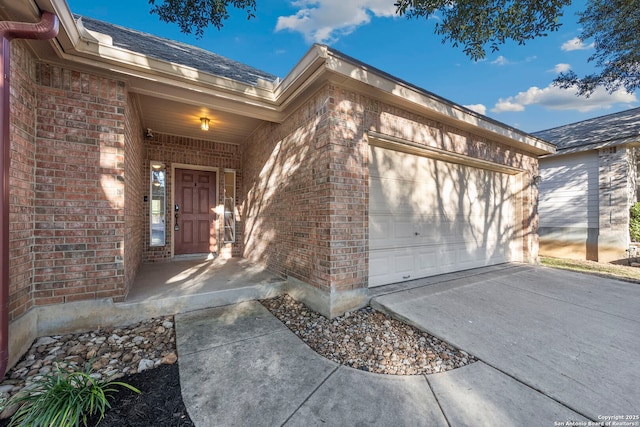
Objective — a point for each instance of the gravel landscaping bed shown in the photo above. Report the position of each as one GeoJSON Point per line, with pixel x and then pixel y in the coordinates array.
{"type": "Point", "coordinates": [112, 353]}
{"type": "Point", "coordinates": [368, 340]}
{"type": "Point", "coordinates": [144, 355]}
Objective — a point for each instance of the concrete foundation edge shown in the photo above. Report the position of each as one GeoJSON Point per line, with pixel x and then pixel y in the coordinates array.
{"type": "Point", "coordinates": [22, 332]}
{"type": "Point", "coordinates": [584, 243]}
{"type": "Point", "coordinates": [81, 316]}
{"type": "Point", "coordinates": [329, 304]}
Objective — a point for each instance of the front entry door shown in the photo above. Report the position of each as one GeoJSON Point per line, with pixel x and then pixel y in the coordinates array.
{"type": "Point", "coordinates": [195, 194]}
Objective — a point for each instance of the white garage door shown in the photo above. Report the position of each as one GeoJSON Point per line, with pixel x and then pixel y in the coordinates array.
{"type": "Point", "coordinates": [429, 217]}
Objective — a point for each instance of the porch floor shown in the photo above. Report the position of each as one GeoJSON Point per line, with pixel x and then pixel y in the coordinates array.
{"type": "Point", "coordinates": [197, 282]}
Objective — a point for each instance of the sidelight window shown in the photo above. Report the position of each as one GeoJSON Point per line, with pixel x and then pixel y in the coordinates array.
{"type": "Point", "coordinates": [229, 206]}
{"type": "Point", "coordinates": [158, 203]}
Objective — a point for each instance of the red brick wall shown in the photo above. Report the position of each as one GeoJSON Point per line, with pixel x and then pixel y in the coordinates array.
{"type": "Point", "coordinates": [288, 181]}
{"type": "Point", "coordinates": [171, 149]}
{"type": "Point", "coordinates": [79, 199]}
{"type": "Point", "coordinates": [134, 186]}
{"type": "Point", "coordinates": [22, 130]}
{"type": "Point", "coordinates": [306, 181]}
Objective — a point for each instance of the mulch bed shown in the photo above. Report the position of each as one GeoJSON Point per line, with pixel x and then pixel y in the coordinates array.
{"type": "Point", "coordinates": [159, 403]}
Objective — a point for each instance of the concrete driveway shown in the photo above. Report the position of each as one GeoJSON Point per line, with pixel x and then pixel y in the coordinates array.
{"type": "Point", "coordinates": [569, 337]}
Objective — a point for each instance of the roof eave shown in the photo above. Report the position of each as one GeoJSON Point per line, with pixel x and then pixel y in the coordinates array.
{"type": "Point", "coordinates": [319, 65]}
{"type": "Point", "coordinates": [432, 106]}
{"type": "Point", "coordinates": [625, 142]}
{"type": "Point", "coordinates": [77, 45]}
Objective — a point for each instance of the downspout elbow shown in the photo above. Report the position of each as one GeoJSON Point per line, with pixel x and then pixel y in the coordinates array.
{"type": "Point", "coordinates": [46, 29]}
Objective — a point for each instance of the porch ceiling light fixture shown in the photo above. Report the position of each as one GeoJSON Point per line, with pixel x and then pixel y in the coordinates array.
{"type": "Point", "coordinates": [204, 123]}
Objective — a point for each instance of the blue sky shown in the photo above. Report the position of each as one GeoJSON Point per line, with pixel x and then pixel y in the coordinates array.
{"type": "Point", "coordinates": [512, 85]}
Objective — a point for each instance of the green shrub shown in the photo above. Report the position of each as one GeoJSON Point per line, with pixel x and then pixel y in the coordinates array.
{"type": "Point", "coordinates": [64, 398]}
{"type": "Point", "coordinates": [634, 223]}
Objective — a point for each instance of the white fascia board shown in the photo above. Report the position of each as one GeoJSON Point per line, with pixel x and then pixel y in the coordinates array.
{"type": "Point", "coordinates": [426, 102]}
{"type": "Point", "coordinates": [172, 71]}
{"type": "Point", "coordinates": [405, 146]}
{"type": "Point", "coordinates": [307, 70]}
{"type": "Point", "coordinates": [76, 44]}
{"type": "Point", "coordinates": [68, 35]}
{"type": "Point", "coordinates": [629, 141]}
{"type": "Point", "coordinates": [317, 65]}
{"type": "Point", "coordinates": [179, 73]}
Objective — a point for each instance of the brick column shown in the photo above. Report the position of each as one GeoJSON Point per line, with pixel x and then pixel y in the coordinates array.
{"type": "Point", "coordinates": [79, 198]}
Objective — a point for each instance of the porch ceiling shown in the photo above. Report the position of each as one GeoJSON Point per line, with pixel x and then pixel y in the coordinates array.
{"type": "Point", "coordinates": [177, 118]}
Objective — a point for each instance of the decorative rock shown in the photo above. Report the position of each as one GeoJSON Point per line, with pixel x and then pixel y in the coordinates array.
{"type": "Point", "coordinates": [368, 340]}
{"type": "Point", "coordinates": [169, 359]}
{"type": "Point", "coordinates": [77, 349]}
{"type": "Point", "coordinates": [145, 364]}
{"type": "Point", "coordinates": [110, 350]}
{"type": "Point", "coordinates": [167, 324]}
{"type": "Point", "coordinates": [44, 341]}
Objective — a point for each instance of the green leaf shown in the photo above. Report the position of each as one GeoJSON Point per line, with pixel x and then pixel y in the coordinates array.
{"type": "Point", "coordinates": [64, 399]}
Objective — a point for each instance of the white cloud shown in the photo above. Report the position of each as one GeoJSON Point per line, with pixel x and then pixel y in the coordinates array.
{"type": "Point", "coordinates": [478, 108]}
{"type": "Point", "coordinates": [575, 44]}
{"type": "Point", "coordinates": [561, 68]}
{"type": "Point", "coordinates": [500, 60]}
{"type": "Point", "coordinates": [324, 21]}
{"type": "Point", "coordinates": [555, 98]}
{"type": "Point", "coordinates": [504, 105]}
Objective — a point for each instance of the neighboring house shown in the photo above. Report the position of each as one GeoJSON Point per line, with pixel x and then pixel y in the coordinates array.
{"type": "Point", "coordinates": [338, 177]}
{"type": "Point", "coordinates": [588, 187]}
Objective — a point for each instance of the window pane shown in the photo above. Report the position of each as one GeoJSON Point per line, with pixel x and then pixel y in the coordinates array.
{"type": "Point", "coordinates": [229, 207]}
{"type": "Point", "coordinates": [158, 204]}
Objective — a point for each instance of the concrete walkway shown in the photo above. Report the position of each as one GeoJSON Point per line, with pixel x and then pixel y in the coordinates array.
{"type": "Point", "coordinates": [573, 338]}
{"type": "Point", "coordinates": [240, 366]}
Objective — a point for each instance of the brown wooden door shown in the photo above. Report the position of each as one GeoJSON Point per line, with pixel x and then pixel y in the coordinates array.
{"type": "Point", "coordinates": [195, 193]}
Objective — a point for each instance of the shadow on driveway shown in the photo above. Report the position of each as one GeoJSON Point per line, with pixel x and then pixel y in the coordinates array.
{"type": "Point", "coordinates": [569, 336]}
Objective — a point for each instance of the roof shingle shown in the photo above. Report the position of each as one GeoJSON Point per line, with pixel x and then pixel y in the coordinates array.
{"type": "Point", "coordinates": [605, 131]}
{"type": "Point", "coordinates": [177, 52]}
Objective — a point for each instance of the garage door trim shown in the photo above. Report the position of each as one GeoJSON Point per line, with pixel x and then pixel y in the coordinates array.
{"type": "Point", "coordinates": [387, 141]}
{"type": "Point", "coordinates": [423, 246]}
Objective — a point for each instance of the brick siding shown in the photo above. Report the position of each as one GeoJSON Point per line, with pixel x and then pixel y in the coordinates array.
{"type": "Point", "coordinates": [287, 190]}
{"type": "Point", "coordinates": [22, 131]}
{"type": "Point", "coordinates": [134, 218]}
{"type": "Point", "coordinates": [80, 171]}
{"type": "Point", "coordinates": [79, 198]}
{"type": "Point", "coordinates": [171, 149]}
{"type": "Point", "coordinates": [306, 183]}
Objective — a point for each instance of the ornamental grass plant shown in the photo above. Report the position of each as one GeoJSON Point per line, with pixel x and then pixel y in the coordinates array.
{"type": "Point", "coordinates": [64, 398]}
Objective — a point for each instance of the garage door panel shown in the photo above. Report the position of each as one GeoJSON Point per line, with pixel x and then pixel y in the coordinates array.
{"type": "Point", "coordinates": [385, 192]}
{"type": "Point", "coordinates": [379, 266]}
{"type": "Point", "coordinates": [439, 218]}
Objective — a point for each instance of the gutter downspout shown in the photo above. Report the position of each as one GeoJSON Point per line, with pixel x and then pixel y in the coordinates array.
{"type": "Point", "coordinates": [46, 29]}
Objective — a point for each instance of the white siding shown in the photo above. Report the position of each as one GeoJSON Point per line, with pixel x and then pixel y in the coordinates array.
{"type": "Point", "coordinates": [569, 191]}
